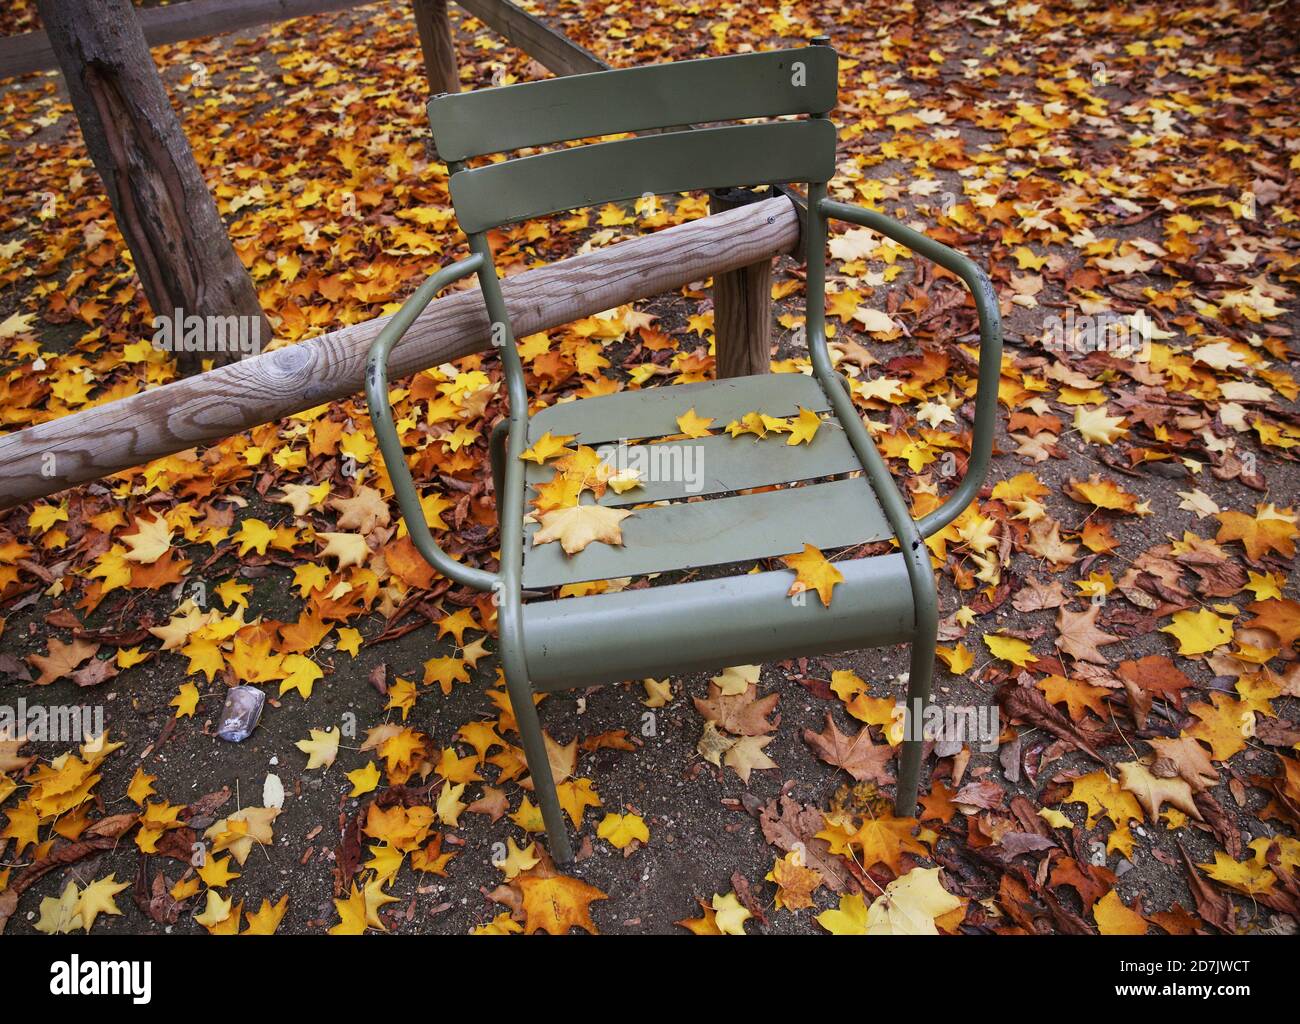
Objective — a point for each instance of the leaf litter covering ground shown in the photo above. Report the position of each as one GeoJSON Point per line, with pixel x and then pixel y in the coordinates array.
{"type": "Point", "coordinates": [1123, 591]}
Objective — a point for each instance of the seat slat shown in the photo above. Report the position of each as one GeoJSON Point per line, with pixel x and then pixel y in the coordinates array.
{"type": "Point", "coordinates": [604, 638]}
{"type": "Point", "coordinates": [720, 463]}
{"type": "Point", "coordinates": [703, 533]}
{"type": "Point", "coordinates": [653, 411]}
{"type": "Point", "coordinates": [733, 88]}
{"type": "Point", "coordinates": [567, 179]}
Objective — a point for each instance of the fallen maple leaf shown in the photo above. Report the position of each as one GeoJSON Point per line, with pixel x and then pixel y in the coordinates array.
{"type": "Point", "coordinates": [857, 755]}
{"type": "Point", "coordinates": [1152, 792]}
{"type": "Point", "coordinates": [1199, 631]}
{"type": "Point", "coordinates": [910, 904]}
{"type": "Point", "coordinates": [557, 904]}
{"type": "Point", "coordinates": [1113, 918]}
{"type": "Point", "coordinates": [743, 714]}
{"type": "Point", "coordinates": [151, 540]}
{"type": "Point", "coordinates": [1271, 529]}
{"type": "Point", "coordinates": [1079, 635]}
{"type": "Point", "coordinates": [321, 748]}
{"type": "Point", "coordinates": [61, 661]}
{"type": "Point", "coordinates": [581, 525]}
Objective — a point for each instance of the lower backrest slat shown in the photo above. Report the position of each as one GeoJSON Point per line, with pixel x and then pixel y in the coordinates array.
{"type": "Point", "coordinates": [753, 154]}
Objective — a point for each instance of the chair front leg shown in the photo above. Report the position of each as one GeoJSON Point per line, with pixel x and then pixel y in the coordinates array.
{"type": "Point", "coordinates": [539, 764]}
{"type": "Point", "coordinates": [918, 699]}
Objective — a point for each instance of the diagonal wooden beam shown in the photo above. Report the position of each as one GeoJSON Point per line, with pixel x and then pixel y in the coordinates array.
{"type": "Point", "coordinates": [549, 48]}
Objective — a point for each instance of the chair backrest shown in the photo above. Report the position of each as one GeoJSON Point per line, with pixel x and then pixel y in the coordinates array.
{"type": "Point", "coordinates": [745, 86]}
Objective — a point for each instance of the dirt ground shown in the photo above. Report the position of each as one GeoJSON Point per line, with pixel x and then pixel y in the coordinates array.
{"type": "Point", "coordinates": [704, 829]}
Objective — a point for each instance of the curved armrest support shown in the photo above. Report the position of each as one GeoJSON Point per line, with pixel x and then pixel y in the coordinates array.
{"type": "Point", "coordinates": [381, 415]}
{"type": "Point", "coordinates": [990, 362]}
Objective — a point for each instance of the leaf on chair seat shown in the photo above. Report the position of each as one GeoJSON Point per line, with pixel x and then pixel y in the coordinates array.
{"type": "Point", "coordinates": [693, 425]}
{"type": "Point", "coordinates": [813, 572]}
{"type": "Point", "coordinates": [803, 428]}
{"type": "Point", "coordinates": [580, 525]}
{"type": "Point", "coordinates": [548, 447]}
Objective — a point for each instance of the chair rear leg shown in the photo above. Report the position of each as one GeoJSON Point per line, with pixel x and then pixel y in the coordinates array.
{"type": "Point", "coordinates": [539, 766]}
{"type": "Point", "coordinates": [918, 689]}
{"type": "Point", "coordinates": [497, 451]}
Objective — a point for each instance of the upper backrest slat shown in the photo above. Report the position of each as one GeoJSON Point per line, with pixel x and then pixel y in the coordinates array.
{"type": "Point", "coordinates": [750, 154]}
{"type": "Point", "coordinates": [770, 84]}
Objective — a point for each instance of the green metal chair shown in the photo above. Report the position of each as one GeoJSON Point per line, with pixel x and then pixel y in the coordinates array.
{"type": "Point", "coordinates": [743, 617]}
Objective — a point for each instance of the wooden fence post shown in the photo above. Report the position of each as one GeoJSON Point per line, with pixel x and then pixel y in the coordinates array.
{"type": "Point", "coordinates": [434, 26]}
{"type": "Point", "coordinates": [163, 208]}
{"type": "Point", "coordinates": [742, 304]}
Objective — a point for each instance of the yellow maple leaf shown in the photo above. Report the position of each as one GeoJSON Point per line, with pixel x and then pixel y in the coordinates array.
{"type": "Point", "coordinates": [1097, 427]}
{"type": "Point", "coordinates": [268, 917]}
{"type": "Point", "coordinates": [557, 904]}
{"type": "Point", "coordinates": [186, 700]}
{"type": "Point", "coordinates": [547, 447]}
{"type": "Point", "coordinates": [1113, 918]}
{"type": "Point", "coordinates": [216, 872]}
{"type": "Point", "coordinates": [349, 548]}
{"type": "Point", "coordinates": [910, 904]}
{"type": "Point", "coordinates": [140, 787]}
{"type": "Point", "coordinates": [729, 914]}
{"type": "Point", "coordinates": [581, 525]}
{"type": "Point", "coordinates": [151, 540]}
{"type": "Point", "coordinates": [1199, 631]}
{"type": "Point", "coordinates": [321, 748]}
{"type": "Point", "coordinates": [253, 535]}
{"type": "Point", "coordinates": [958, 659]}
{"type": "Point", "coordinates": [364, 780]}
{"type": "Point", "coordinates": [1009, 648]}
{"type": "Point", "coordinates": [217, 911]}
{"type": "Point", "coordinates": [1224, 724]}
{"type": "Point", "coordinates": [693, 425]}
{"type": "Point", "coordinates": [300, 673]}
{"type": "Point", "coordinates": [850, 918]}
{"type": "Point", "coordinates": [619, 830]}
{"type": "Point", "coordinates": [803, 428]}
{"type": "Point", "coordinates": [97, 898]}
{"type": "Point", "coordinates": [352, 913]}
{"type": "Point", "coordinates": [1271, 529]}
{"type": "Point", "coordinates": [813, 572]}
{"type": "Point", "coordinates": [1250, 877]}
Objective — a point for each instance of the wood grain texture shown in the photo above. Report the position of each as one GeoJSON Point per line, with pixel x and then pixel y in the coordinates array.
{"type": "Point", "coordinates": [177, 239]}
{"type": "Point", "coordinates": [171, 418]}
{"type": "Point", "coordinates": [742, 310]}
{"type": "Point", "coordinates": [436, 43]}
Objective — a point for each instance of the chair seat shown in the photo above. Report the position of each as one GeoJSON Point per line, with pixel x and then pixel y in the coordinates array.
{"type": "Point", "coordinates": [692, 528]}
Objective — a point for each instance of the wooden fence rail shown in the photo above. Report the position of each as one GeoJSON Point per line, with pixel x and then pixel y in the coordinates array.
{"type": "Point", "coordinates": [50, 457]}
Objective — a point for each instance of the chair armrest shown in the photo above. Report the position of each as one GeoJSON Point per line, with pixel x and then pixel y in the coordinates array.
{"type": "Point", "coordinates": [381, 415]}
{"type": "Point", "coordinates": [990, 361]}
